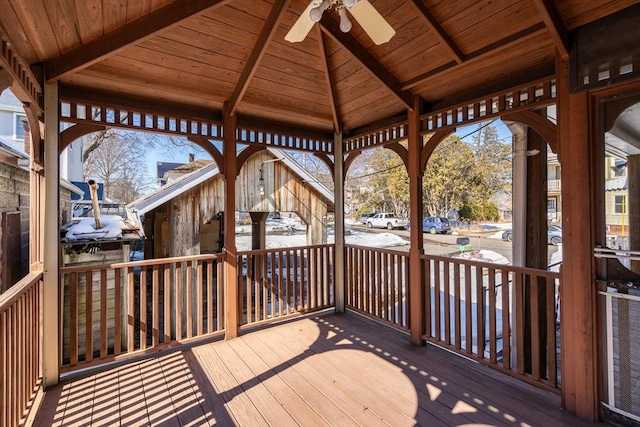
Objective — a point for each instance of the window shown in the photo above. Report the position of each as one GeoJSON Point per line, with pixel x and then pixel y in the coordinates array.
{"type": "Point", "coordinates": [19, 122]}
{"type": "Point", "coordinates": [620, 204]}
{"type": "Point", "coordinates": [551, 205]}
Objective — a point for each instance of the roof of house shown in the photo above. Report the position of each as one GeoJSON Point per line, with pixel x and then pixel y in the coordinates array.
{"type": "Point", "coordinates": [167, 192]}
{"type": "Point", "coordinates": [10, 149]}
{"type": "Point", "coordinates": [164, 167]}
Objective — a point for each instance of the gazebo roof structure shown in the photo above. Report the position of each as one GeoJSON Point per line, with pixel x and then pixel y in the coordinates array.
{"type": "Point", "coordinates": [194, 56]}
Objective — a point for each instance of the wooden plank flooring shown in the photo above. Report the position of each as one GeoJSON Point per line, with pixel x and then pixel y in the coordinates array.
{"type": "Point", "coordinates": [330, 370]}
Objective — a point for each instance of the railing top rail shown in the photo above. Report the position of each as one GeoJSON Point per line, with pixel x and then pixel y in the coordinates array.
{"type": "Point", "coordinates": [19, 289]}
{"type": "Point", "coordinates": [616, 253]}
{"type": "Point", "coordinates": [274, 250]}
{"type": "Point", "coordinates": [143, 263]}
{"type": "Point", "coordinates": [619, 295]}
{"type": "Point", "coordinates": [384, 251]}
{"type": "Point", "coordinates": [513, 268]}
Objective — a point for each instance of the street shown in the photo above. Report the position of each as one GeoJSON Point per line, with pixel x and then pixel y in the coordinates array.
{"type": "Point", "coordinates": [445, 244]}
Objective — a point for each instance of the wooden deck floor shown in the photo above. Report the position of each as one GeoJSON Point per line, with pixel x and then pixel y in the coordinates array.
{"type": "Point", "coordinates": [331, 370]}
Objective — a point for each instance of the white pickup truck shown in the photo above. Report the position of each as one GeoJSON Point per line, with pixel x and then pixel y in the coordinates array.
{"type": "Point", "coordinates": [386, 220]}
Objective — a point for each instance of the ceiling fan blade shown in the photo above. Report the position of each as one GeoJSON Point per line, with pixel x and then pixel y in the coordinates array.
{"type": "Point", "coordinates": [302, 26]}
{"type": "Point", "coordinates": [372, 22]}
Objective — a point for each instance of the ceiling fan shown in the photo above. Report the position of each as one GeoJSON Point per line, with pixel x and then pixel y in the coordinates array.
{"type": "Point", "coordinates": [364, 13]}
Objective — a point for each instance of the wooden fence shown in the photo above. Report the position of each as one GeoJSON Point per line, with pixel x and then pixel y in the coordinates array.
{"type": "Point", "coordinates": [276, 283]}
{"type": "Point", "coordinates": [376, 284]}
{"type": "Point", "coordinates": [499, 315]}
{"type": "Point", "coordinates": [20, 348]}
{"type": "Point", "coordinates": [113, 311]}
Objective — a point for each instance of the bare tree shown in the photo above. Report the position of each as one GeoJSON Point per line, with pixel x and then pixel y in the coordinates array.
{"type": "Point", "coordinates": [117, 162]}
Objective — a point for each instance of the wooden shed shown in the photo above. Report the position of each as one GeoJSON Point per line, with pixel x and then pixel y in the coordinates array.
{"type": "Point", "coordinates": [183, 217]}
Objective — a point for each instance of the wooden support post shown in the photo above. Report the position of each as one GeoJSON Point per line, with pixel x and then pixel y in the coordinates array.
{"type": "Point", "coordinates": [580, 366]}
{"type": "Point", "coordinates": [51, 237]}
{"type": "Point", "coordinates": [536, 247]}
{"type": "Point", "coordinates": [232, 314]}
{"type": "Point", "coordinates": [338, 185]}
{"type": "Point", "coordinates": [633, 206]}
{"type": "Point", "coordinates": [416, 275]}
{"type": "Point", "coordinates": [258, 230]}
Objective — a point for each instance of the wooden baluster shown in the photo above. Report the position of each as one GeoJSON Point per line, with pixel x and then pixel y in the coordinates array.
{"type": "Point", "coordinates": [104, 335]}
{"type": "Point", "coordinates": [468, 304]}
{"type": "Point", "coordinates": [130, 312]}
{"type": "Point", "coordinates": [480, 308]}
{"type": "Point", "coordinates": [189, 298]}
{"type": "Point", "coordinates": [519, 315]}
{"type": "Point", "coordinates": [551, 332]}
{"type": "Point", "coordinates": [155, 310]}
{"type": "Point", "coordinates": [506, 316]}
{"type": "Point", "coordinates": [493, 336]}
{"type": "Point", "coordinates": [73, 316]}
{"type": "Point", "coordinates": [143, 306]}
{"type": "Point", "coordinates": [457, 303]}
{"type": "Point", "coordinates": [447, 302]}
{"type": "Point", "coordinates": [117, 321]}
{"type": "Point", "coordinates": [88, 340]}
{"type": "Point", "coordinates": [179, 308]}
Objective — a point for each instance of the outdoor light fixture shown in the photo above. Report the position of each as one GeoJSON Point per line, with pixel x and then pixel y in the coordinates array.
{"type": "Point", "coordinates": [261, 182]}
{"type": "Point", "coordinates": [261, 187]}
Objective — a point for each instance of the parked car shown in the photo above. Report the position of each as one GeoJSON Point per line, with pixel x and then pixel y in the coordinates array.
{"type": "Point", "coordinates": [365, 216]}
{"type": "Point", "coordinates": [386, 220]}
{"type": "Point", "coordinates": [435, 225]}
{"type": "Point", "coordinates": [554, 235]}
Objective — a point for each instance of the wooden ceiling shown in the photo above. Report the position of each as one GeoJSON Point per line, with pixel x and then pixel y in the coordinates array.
{"type": "Point", "coordinates": [201, 53]}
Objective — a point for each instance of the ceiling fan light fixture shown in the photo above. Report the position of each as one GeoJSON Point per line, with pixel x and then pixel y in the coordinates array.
{"type": "Point", "coordinates": [345, 23]}
{"type": "Point", "coordinates": [349, 3]}
{"type": "Point", "coordinates": [315, 14]}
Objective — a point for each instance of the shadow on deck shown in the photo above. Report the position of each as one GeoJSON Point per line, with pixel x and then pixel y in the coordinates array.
{"type": "Point", "coordinates": [331, 370]}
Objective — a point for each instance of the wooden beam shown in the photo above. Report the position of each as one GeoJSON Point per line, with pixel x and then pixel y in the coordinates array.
{"type": "Point", "coordinates": [134, 32]}
{"type": "Point", "coordinates": [438, 31]}
{"type": "Point", "coordinates": [555, 24]}
{"type": "Point", "coordinates": [5, 79]}
{"type": "Point", "coordinates": [330, 27]}
{"type": "Point", "coordinates": [431, 145]}
{"type": "Point", "coordinates": [328, 81]}
{"type": "Point", "coordinates": [324, 157]}
{"type": "Point", "coordinates": [19, 76]}
{"type": "Point", "coordinates": [74, 132]}
{"type": "Point", "coordinates": [207, 146]}
{"type": "Point", "coordinates": [119, 101]}
{"type": "Point", "coordinates": [232, 294]}
{"type": "Point", "coordinates": [578, 293]}
{"type": "Point", "coordinates": [51, 240]}
{"type": "Point", "coordinates": [479, 55]}
{"type": "Point", "coordinates": [540, 124]}
{"type": "Point", "coordinates": [339, 255]}
{"type": "Point", "coordinates": [402, 152]}
{"type": "Point", "coordinates": [417, 324]}
{"type": "Point", "coordinates": [268, 30]}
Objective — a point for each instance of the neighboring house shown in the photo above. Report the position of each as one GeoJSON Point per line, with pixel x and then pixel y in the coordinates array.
{"type": "Point", "coordinates": [554, 185]}
{"type": "Point", "coordinates": [15, 214]}
{"type": "Point", "coordinates": [163, 168]}
{"type": "Point", "coordinates": [616, 203]}
{"type": "Point", "coordinates": [181, 217]}
{"type": "Point", "coordinates": [14, 192]}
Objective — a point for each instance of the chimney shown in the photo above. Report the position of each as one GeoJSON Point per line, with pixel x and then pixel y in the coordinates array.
{"type": "Point", "coordinates": [192, 157]}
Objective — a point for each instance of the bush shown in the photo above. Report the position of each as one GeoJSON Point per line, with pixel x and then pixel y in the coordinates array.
{"type": "Point", "coordinates": [482, 210]}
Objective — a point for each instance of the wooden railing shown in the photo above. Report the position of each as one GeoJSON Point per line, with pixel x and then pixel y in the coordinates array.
{"type": "Point", "coordinates": [502, 316]}
{"type": "Point", "coordinates": [376, 284]}
{"type": "Point", "coordinates": [117, 310]}
{"type": "Point", "coordinates": [276, 283]}
{"type": "Point", "coordinates": [20, 348]}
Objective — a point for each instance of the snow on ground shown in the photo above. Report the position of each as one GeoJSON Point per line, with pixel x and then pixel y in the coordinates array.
{"type": "Point", "coordinates": [374, 240]}
{"type": "Point", "coordinates": [484, 255]}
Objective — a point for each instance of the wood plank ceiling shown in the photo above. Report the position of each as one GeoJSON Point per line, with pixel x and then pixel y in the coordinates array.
{"type": "Point", "coordinates": [202, 53]}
